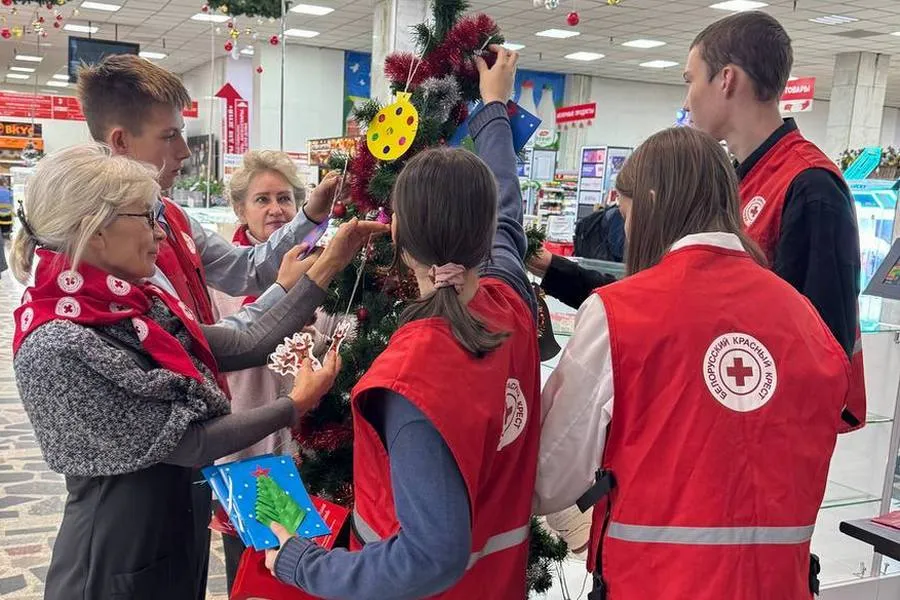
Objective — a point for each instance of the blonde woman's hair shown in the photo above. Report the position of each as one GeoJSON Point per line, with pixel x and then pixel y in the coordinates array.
{"type": "Point", "coordinates": [260, 161]}
{"type": "Point", "coordinates": [73, 194]}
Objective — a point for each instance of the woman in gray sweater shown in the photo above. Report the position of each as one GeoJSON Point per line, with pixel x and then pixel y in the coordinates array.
{"type": "Point", "coordinates": [120, 381]}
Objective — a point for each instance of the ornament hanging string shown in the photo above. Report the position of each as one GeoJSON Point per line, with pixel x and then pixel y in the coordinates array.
{"type": "Point", "coordinates": [414, 65]}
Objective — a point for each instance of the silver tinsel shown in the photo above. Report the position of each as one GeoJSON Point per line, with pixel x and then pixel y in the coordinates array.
{"type": "Point", "coordinates": [442, 94]}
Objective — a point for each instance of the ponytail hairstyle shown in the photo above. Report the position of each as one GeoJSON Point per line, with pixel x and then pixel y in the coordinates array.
{"type": "Point", "coordinates": [680, 182]}
{"type": "Point", "coordinates": [74, 193]}
{"type": "Point", "coordinates": [445, 212]}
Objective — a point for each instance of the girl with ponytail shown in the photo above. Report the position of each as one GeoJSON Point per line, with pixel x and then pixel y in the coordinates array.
{"type": "Point", "coordinates": [446, 420]}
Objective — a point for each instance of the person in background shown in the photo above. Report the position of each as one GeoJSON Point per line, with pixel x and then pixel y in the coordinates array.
{"type": "Point", "coordinates": [701, 420]}
{"type": "Point", "coordinates": [118, 377]}
{"type": "Point", "coordinates": [6, 208]}
{"type": "Point", "coordinates": [443, 465]}
{"type": "Point", "coordinates": [794, 201]}
{"type": "Point", "coordinates": [265, 194]}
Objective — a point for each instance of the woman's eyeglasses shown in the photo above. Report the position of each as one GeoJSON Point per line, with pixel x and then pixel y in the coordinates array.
{"type": "Point", "coordinates": [150, 215]}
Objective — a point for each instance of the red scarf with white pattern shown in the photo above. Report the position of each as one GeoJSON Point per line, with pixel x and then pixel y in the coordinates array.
{"type": "Point", "coordinates": [90, 296]}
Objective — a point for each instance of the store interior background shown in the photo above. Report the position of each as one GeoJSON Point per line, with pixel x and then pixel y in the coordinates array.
{"type": "Point", "coordinates": [632, 102]}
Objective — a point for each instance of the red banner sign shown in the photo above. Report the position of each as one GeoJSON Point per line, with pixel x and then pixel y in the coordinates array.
{"type": "Point", "coordinates": [192, 112]}
{"type": "Point", "coordinates": [798, 95]}
{"type": "Point", "coordinates": [579, 112]}
{"type": "Point", "coordinates": [61, 108]}
{"type": "Point", "coordinates": [237, 120]}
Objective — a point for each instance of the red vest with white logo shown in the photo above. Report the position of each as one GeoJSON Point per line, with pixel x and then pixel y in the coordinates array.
{"type": "Point", "coordinates": [179, 261]}
{"type": "Point", "coordinates": [726, 416]}
{"type": "Point", "coordinates": [487, 410]}
{"type": "Point", "coordinates": [763, 192]}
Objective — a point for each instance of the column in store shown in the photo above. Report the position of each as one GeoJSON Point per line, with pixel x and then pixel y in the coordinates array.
{"type": "Point", "coordinates": [391, 31]}
{"type": "Point", "coordinates": [857, 101]}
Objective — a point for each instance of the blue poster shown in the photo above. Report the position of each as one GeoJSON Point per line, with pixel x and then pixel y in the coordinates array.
{"type": "Point", "coordinates": [541, 94]}
{"type": "Point", "coordinates": [357, 86]}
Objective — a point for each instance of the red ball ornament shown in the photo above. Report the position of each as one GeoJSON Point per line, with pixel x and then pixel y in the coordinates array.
{"type": "Point", "coordinates": [57, 25]}
{"type": "Point", "coordinates": [5, 33]}
{"type": "Point", "coordinates": [273, 40]}
{"type": "Point", "coordinates": [259, 69]}
{"type": "Point", "coordinates": [7, 2]}
{"type": "Point", "coordinates": [230, 25]}
{"type": "Point", "coordinates": [59, 17]}
{"type": "Point", "coordinates": [40, 19]}
{"type": "Point", "coordinates": [229, 46]}
{"type": "Point", "coordinates": [362, 314]}
{"type": "Point", "coordinates": [205, 8]}
{"type": "Point", "coordinates": [339, 210]}
{"type": "Point", "coordinates": [573, 19]}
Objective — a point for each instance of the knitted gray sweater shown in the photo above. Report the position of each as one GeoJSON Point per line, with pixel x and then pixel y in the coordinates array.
{"type": "Point", "coordinates": [95, 412]}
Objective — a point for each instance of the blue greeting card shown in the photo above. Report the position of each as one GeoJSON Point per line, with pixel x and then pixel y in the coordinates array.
{"type": "Point", "coordinates": [522, 122]}
{"type": "Point", "coordinates": [259, 490]}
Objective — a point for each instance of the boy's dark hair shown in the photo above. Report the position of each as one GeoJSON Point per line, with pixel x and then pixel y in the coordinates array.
{"type": "Point", "coordinates": [121, 89]}
{"type": "Point", "coordinates": [753, 41]}
{"type": "Point", "coordinates": [445, 208]}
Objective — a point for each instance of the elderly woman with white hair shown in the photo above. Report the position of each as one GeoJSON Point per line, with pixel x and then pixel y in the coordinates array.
{"type": "Point", "coordinates": [119, 380]}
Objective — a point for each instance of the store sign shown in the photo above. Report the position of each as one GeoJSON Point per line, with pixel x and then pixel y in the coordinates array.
{"type": "Point", "coordinates": [59, 108]}
{"type": "Point", "coordinates": [192, 112]}
{"type": "Point", "coordinates": [578, 115]}
{"type": "Point", "coordinates": [798, 95]}
{"type": "Point", "coordinates": [22, 130]}
{"type": "Point", "coordinates": [236, 122]}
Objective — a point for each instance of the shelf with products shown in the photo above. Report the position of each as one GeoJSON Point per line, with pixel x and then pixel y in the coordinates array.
{"type": "Point", "coordinates": [557, 206]}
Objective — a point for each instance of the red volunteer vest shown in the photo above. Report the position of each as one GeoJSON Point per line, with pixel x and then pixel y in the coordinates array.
{"type": "Point", "coordinates": [179, 261]}
{"type": "Point", "coordinates": [763, 192]}
{"type": "Point", "coordinates": [722, 434]}
{"type": "Point", "coordinates": [488, 412]}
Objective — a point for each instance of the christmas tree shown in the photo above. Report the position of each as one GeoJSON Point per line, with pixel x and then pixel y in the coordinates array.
{"type": "Point", "coordinates": [442, 81]}
{"type": "Point", "coordinates": [273, 503]}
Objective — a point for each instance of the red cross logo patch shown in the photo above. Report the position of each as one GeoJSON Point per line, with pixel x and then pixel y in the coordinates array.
{"type": "Point", "coordinates": [740, 372]}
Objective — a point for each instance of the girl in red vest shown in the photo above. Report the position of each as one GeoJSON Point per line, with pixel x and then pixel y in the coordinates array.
{"type": "Point", "coordinates": [727, 388]}
{"type": "Point", "coordinates": [445, 421]}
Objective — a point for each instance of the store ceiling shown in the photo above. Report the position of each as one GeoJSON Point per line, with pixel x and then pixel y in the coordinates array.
{"type": "Point", "coordinates": [166, 27]}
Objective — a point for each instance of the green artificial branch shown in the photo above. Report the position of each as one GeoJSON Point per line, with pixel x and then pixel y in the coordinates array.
{"type": "Point", "coordinates": [536, 238]}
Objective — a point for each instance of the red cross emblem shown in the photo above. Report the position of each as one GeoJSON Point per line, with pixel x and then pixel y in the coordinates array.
{"type": "Point", "coordinates": [739, 372]}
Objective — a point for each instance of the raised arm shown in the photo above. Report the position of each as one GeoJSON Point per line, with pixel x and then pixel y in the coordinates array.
{"type": "Point", "coordinates": [492, 133]}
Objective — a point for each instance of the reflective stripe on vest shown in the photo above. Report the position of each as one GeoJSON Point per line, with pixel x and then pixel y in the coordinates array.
{"type": "Point", "coordinates": [710, 536]}
{"type": "Point", "coordinates": [494, 544]}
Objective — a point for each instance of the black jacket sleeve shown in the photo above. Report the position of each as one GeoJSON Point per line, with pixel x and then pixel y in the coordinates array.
{"type": "Point", "coordinates": [571, 283]}
{"type": "Point", "coordinates": [818, 250]}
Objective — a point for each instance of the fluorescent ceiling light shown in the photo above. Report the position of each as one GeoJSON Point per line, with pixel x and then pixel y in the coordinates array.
{"type": "Point", "coordinates": [17, 76]}
{"type": "Point", "coordinates": [208, 18]}
{"type": "Point", "coordinates": [738, 5]}
{"type": "Point", "coordinates": [61, 77]}
{"type": "Point", "coordinates": [81, 28]}
{"type": "Point", "coordinates": [311, 9]}
{"type": "Point", "coordinates": [54, 83]}
{"type": "Point", "coordinates": [585, 56]}
{"type": "Point", "coordinates": [22, 69]}
{"type": "Point", "coordinates": [644, 44]}
{"type": "Point", "coordinates": [152, 55]}
{"type": "Point", "coordinates": [513, 47]}
{"type": "Point", "coordinates": [834, 20]}
{"type": "Point", "coordinates": [301, 33]}
{"type": "Point", "coordinates": [29, 58]}
{"type": "Point", "coordinates": [659, 64]}
{"type": "Point", "coordinates": [100, 6]}
{"type": "Point", "coordinates": [248, 51]}
{"type": "Point", "coordinates": [557, 33]}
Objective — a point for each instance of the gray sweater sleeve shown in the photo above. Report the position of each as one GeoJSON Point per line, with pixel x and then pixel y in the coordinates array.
{"type": "Point", "coordinates": [237, 349]}
{"type": "Point", "coordinates": [205, 442]}
{"type": "Point", "coordinates": [492, 133]}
